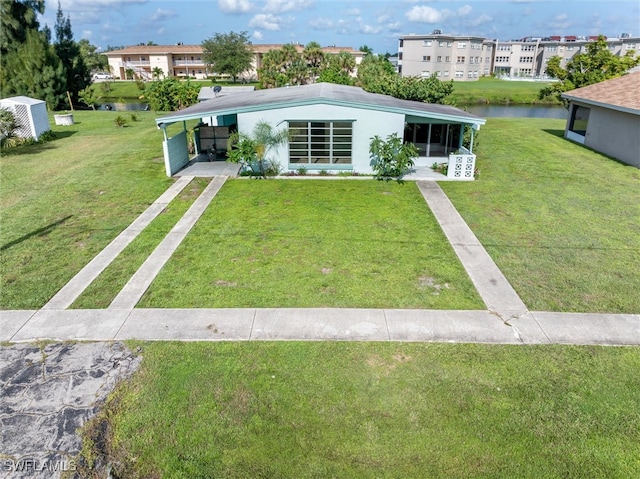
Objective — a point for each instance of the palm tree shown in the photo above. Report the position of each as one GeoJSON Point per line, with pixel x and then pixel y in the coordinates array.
{"type": "Point", "coordinates": [157, 73]}
{"type": "Point", "coordinates": [315, 58]}
{"type": "Point", "coordinates": [253, 149]}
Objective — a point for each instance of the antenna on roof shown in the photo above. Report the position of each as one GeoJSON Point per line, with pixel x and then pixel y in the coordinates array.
{"type": "Point", "coordinates": [217, 89]}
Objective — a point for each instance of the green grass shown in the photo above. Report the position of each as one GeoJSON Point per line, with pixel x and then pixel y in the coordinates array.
{"type": "Point", "coordinates": [377, 410]}
{"type": "Point", "coordinates": [104, 289]}
{"type": "Point", "coordinates": [129, 89]}
{"type": "Point", "coordinates": [315, 244]}
{"type": "Point", "coordinates": [489, 90]}
{"type": "Point", "coordinates": [63, 201]}
{"type": "Point", "coordinates": [561, 221]}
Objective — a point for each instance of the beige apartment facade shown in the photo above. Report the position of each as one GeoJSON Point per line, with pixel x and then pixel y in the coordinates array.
{"type": "Point", "coordinates": [188, 60]}
{"type": "Point", "coordinates": [460, 58]}
{"type": "Point", "coordinates": [528, 57]}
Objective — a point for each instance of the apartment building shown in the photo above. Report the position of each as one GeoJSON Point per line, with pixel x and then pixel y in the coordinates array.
{"type": "Point", "coordinates": [460, 58]}
{"type": "Point", "coordinates": [528, 57]}
{"type": "Point", "coordinates": [188, 60]}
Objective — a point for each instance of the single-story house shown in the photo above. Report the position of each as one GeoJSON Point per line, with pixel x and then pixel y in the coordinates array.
{"type": "Point", "coordinates": [605, 116]}
{"type": "Point", "coordinates": [332, 125]}
{"type": "Point", "coordinates": [30, 113]}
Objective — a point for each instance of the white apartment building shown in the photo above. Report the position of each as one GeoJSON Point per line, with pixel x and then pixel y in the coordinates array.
{"type": "Point", "coordinates": [187, 60]}
{"type": "Point", "coordinates": [461, 58]}
{"type": "Point", "coordinates": [528, 57]}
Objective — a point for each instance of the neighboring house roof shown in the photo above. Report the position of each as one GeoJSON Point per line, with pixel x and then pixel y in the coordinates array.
{"type": "Point", "coordinates": [24, 100]}
{"type": "Point", "coordinates": [317, 93]}
{"type": "Point", "coordinates": [622, 94]}
{"type": "Point", "coordinates": [207, 93]}
{"type": "Point", "coordinates": [197, 49]}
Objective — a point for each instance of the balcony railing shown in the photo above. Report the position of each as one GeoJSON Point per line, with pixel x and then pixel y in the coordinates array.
{"type": "Point", "coordinates": [185, 63]}
{"type": "Point", "coordinates": [137, 63]}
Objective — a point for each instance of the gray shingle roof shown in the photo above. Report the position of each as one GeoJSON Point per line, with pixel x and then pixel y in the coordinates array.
{"type": "Point", "coordinates": [327, 93]}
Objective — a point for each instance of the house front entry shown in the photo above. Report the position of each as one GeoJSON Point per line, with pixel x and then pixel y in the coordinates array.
{"type": "Point", "coordinates": [433, 139]}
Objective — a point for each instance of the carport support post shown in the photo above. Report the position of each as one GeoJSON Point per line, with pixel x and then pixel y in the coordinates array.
{"type": "Point", "coordinates": [473, 129]}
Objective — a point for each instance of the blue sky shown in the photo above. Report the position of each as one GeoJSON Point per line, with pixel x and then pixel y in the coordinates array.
{"type": "Point", "coordinates": [375, 23]}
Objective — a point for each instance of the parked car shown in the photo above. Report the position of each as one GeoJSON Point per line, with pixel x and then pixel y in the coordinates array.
{"type": "Point", "coordinates": [102, 76]}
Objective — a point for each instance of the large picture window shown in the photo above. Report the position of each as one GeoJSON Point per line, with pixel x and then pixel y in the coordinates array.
{"type": "Point", "coordinates": [320, 142]}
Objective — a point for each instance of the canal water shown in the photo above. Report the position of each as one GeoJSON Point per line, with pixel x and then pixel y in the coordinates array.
{"type": "Point", "coordinates": [517, 111]}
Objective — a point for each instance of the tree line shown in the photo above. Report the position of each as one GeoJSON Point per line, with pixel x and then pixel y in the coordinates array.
{"type": "Point", "coordinates": [34, 62]}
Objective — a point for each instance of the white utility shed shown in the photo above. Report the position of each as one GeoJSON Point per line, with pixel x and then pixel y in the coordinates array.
{"type": "Point", "coordinates": [30, 113]}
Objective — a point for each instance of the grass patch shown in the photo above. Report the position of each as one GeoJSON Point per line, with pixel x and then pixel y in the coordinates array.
{"type": "Point", "coordinates": [489, 90]}
{"type": "Point", "coordinates": [106, 286]}
{"type": "Point", "coordinates": [63, 201]}
{"type": "Point", "coordinates": [361, 410]}
{"type": "Point", "coordinates": [315, 244]}
{"type": "Point", "coordinates": [561, 221]}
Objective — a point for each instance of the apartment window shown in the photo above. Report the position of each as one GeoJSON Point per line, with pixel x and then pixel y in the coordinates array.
{"type": "Point", "coordinates": [502, 59]}
{"type": "Point", "coordinates": [504, 48]}
{"type": "Point", "coordinates": [526, 59]}
{"type": "Point", "coordinates": [447, 59]}
{"type": "Point", "coordinates": [427, 43]}
{"type": "Point", "coordinates": [579, 120]}
{"type": "Point", "coordinates": [448, 44]}
{"type": "Point", "coordinates": [446, 73]}
{"type": "Point", "coordinates": [462, 44]}
{"type": "Point", "coordinates": [401, 43]}
{"type": "Point", "coordinates": [528, 48]}
{"type": "Point", "coordinates": [569, 48]}
{"type": "Point", "coordinates": [438, 74]}
{"type": "Point", "coordinates": [459, 74]}
{"type": "Point", "coordinates": [425, 74]}
{"type": "Point", "coordinates": [470, 74]}
{"type": "Point", "coordinates": [487, 60]}
{"type": "Point", "coordinates": [320, 142]}
{"type": "Point", "coordinates": [460, 59]}
{"type": "Point", "coordinates": [426, 58]}
{"type": "Point", "coordinates": [143, 59]}
{"type": "Point", "coordinates": [441, 44]}
{"type": "Point", "coordinates": [630, 46]}
{"type": "Point", "coordinates": [439, 59]}
{"type": "Point", "coordinates": [551, 49]}
{"type": "Point", "coordinates": [525, 72]}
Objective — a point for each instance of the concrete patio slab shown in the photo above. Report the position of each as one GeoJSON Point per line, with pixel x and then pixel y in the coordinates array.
{"type": "Point", "coordinates": [320, 324]}
{"type": "Point", "coordinates": [12, 321]}
{"type": "Point", "coordinates": [590, 328]}
{"type": "Point", "coordinates": [188, 324]}
{"type": "Point", "coordinates": [201, 167]}
{"type": "Point", "coordinates": [448, 326]}
{"type": "Point", "coordinates": [72, 324]}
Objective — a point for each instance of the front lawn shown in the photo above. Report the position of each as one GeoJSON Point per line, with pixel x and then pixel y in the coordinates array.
{"type": "Point", "coordinates": [63, 201]}
{"type": "Point", "coordinates": [376, 410]}
{"type": "Point", "coordinates": [561, 221]}
{"type": "Point", "coordinates": [314, 243]}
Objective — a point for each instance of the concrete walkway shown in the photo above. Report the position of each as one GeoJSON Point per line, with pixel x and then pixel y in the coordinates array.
{"type": "Point", "coordinates": [505, 321]}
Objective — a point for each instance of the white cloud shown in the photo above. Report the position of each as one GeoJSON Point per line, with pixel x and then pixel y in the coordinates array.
{"type": "Point", "coordinates": [369, 30]}
{"type": "Point", "coordinates": [266, 21]}
{"type": "Point", "coordinates": [353, 11]}
{"type": "Point", "coordinates": [395, 27]}
{"type": "Point", "coordinates": [321, 23]}
{"type": "Point", "coordinates": [87, 34]}
{"type": "Point", "coordinates": [235, 6]}
{"type": "Point", "coordinates": [160, 30]}
{"type": "Point", "coordinates": [560, 22]}
{"type": "Point", "coordinates": [257, 35]}
{"type": "Point", "coordinates": [384, 18]}
{"type": "Point", "coordinates": [161, 14]}
{"type": "Point", "coordinates": [484, 18]}
{"type": "Point", "coordinates": [464, 10]}
{"type": "Point", "coordinates": [280, 6]}
{"type": "Point", "coordinates": [424, 14]}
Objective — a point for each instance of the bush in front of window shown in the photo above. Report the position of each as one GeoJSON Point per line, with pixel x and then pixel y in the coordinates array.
{"type": "Point", "coordinates": [391, 159]}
